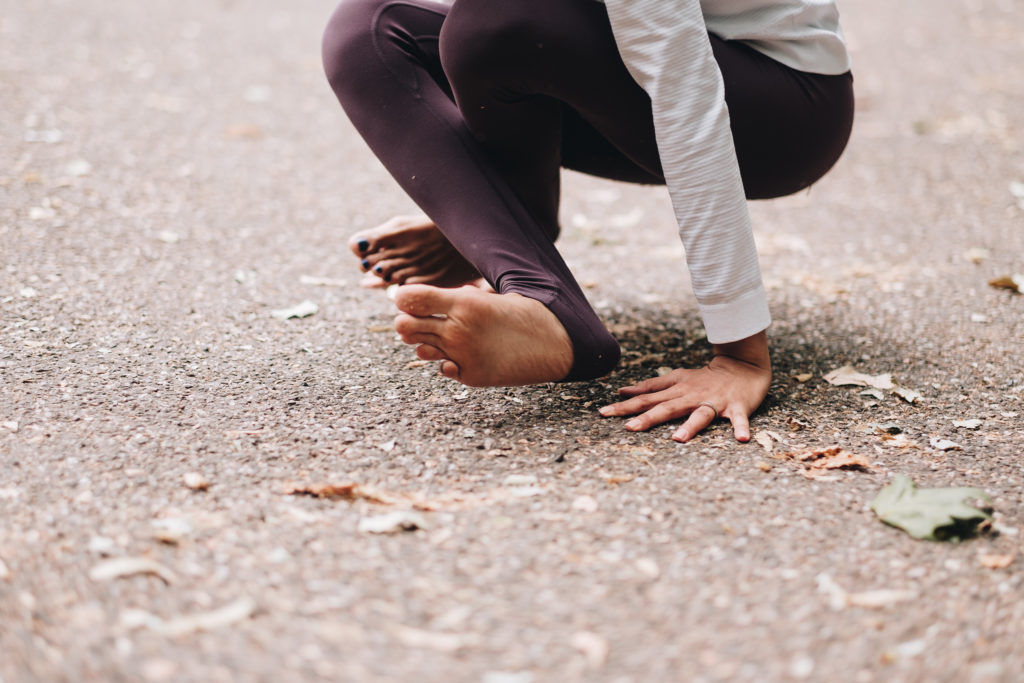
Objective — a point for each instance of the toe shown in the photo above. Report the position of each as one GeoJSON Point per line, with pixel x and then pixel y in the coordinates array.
{"type": "Point", "coordinates": [361, 244]}
{"type": "Point", "coordinates": [423, 300]}
{"type": "Point", "coordinates": [430, 352]}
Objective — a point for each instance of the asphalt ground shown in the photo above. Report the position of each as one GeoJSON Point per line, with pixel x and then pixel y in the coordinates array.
{"type": "Point", "coordinates": [174, 172]}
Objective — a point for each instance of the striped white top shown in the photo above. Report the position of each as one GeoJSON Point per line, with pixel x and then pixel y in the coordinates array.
{"type": "Point", "coordinates": [665, 46]}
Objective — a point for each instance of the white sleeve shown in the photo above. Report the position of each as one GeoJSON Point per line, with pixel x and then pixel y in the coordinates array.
{"type": "Point", "coordinates": [665, 46]}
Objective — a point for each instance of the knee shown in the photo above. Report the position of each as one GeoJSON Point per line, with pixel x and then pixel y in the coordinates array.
{"type": "Point", "coordinates": [348, 41]}
{"type": "Point", "coordinates": [488, 36]}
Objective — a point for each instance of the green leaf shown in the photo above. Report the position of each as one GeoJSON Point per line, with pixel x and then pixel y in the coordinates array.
{"type": "Point", "coordinates": [930, 514]}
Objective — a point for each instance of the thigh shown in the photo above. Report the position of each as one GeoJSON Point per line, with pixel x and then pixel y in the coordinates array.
{"type": "Point", "coordinates": [789, 127]}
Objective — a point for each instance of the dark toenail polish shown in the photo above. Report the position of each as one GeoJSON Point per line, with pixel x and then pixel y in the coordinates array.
{"type": "Point", "coordinates": [379, 269]}
{"type": "Point", "coordinates": [363, 245]}
{"type": "Point", "coordinates": [366, 264]}
{"type": "Point", "coordinates": [387, 278]}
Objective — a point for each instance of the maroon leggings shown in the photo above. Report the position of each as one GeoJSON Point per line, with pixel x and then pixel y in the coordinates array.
{"type": "Point", "coordinates": [474, 109]}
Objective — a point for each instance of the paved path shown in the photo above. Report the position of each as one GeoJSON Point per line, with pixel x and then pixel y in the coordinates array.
{"type": "Point", "coordinates": [174, 171]}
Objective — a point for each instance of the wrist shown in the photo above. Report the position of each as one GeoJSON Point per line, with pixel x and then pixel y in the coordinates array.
{"type": "Point", "coordinates": [752, 350]}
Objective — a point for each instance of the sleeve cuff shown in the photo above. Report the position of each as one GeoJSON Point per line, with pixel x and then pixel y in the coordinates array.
{"type": "Point", "coordinates": [737, 319]}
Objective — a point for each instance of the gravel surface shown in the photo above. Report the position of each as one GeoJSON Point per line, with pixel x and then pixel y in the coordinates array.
{"type": "Point", "coordinates": [174, 172]}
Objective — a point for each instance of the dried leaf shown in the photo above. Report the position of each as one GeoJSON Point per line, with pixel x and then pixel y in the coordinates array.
{"type": "Point", "coordinates": [301, 310]}
{"type": "Point", "coordinates": [196, 481]}
{"type": "Point", "coordinates": [879, 599]}
{"type": "Point", "coordinates": [431, 640]}
{"type": "Point", "coordinates": [10, 425]}
{"type": "Point", "coordinates": [321, 281]}
{"type": "Point", "coordinates": [617, 479]}
{"type": "Point", "coordinates": [847, 375]}
{"type": "Point", "coordinates": [943, 444]}
{"type": "Point", "coordinates": [795, 425]}
{"type": "Point", "coordinates": [803, 377]}
{"type": "Point", "coordinates": [1014, 283]}
{"type": "Point", "coordinates": [976, 254]}
{"type": "Point", "coordinates": [393, 522]}
{"type": "Point", "coordinates": [349, 491]}
{"type": "Point", "coordinates": [834, 458]}
{"type": "Point", "coordinates": [171, 531]}
{"type": "Point", "coordinates": [765, 439]}
{"type": "Point", "coordinates": [129, 566]}
{"type": "Point", "coordinates": [967, 424]}
{"type": "Point", "coordinates": [995, 561]}
{"type": "Point", "coordinates": [908, 395]}
{"type": "Point", "coordinates": [237, 611]}
{"type": "Point", "coordinates": [930, 514]}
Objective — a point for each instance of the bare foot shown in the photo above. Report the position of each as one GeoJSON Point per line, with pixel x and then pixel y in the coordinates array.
{"type": "Point", "coordinates": [484, 339]}
{"type": "Point", "coordinates": [410, 250]}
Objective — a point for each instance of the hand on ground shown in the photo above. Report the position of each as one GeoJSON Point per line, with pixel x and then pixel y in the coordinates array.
{"type": "Point", "coordinates": [733, 386]}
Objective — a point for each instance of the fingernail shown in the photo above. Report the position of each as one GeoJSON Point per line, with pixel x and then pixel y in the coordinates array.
{"type": "Point", "coordinates": [605, 410]}
{"type": "Point", "coordinates": [366, 264]}
{"type": "Point", "coordinates": [363, 245]}
{"type": "Point", "coordinates": [633, 424]}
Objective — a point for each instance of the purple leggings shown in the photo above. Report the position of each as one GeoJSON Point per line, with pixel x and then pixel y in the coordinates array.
{"type": "Point", "coordinates": [474, 108]}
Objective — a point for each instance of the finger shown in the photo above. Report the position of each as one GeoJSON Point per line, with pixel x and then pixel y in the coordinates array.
{"type": "Point", "coordinates": [699, 419]}
{"type": "Point", "coordinates": [635, 405]}
{"type": "Point", "coordinates": [409, 325]}
{"type": "Point", "coordinates": [423, 300]}
{"type": "Point", "coordinates": [430, 352]}
{"type": "Point", "coordinates": [663, 412]}
{"type": "Point", "coordinates": [740, 426]}
{"type": "Point", "coordinates": [649, 385]}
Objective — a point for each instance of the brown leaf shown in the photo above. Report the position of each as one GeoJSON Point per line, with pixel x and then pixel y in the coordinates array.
{"type": "Point", "coordinates": [349, 491]}
{"type": "Point", "coordinates": [834, 458]}
{"type": "Point", "coordinates": [1014, 283]}
{"type": "Point", "coordinates": [995, 561]}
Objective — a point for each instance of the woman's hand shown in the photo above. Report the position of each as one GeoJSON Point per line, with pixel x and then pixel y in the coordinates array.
{"type": "Point", "coordinates": [732, 385]}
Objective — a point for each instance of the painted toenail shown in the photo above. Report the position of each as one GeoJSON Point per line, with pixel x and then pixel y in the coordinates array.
{"type": "Point", "coordinates": [387, 278]}
{"type": "Point", "coordinates": [379, 269]}
{"type": "Point", "coordinates": [363, 245]}
{"type": "Point", "coordinates": [366, 264]}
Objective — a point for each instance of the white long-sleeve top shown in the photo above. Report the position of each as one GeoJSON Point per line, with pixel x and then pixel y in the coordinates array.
{"type": "Point", "coordinates": [665, 46]}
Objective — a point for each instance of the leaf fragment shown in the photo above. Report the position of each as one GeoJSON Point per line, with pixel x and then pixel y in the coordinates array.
{"type": "Point", "coordinates": [943, 444]}
{"type": "Point", "coordinates": [848, 375]}
{"type": "Point", "coordinates": [908, 395]}
{"type": "Point", "coordinates": [976, 254]}
{"type": "Point", "coordinates": [196, 481]}
{"type": "Point", "coordinates": [348, 491]}
{"type": "Point", "coordinates": [995, 561]}
{"type": "Point", "coordinates": [879, 599]}
{"type": "Point", "coordinates": [393, 522]}
{"type": "Point", "coordinates": [803, 377]}
{"type": "Point", "coordinates": [834, 458]}
{"type": "Point", "coordinates": [1014, 283]}
{"type": "Point", "coordinates": [300, 310]}
{"type": "Point", "coordinates": [930, 514]}
{"type": "Point", "coordinates": [232, 613]}
{"type": "Point", "coordinates": [130, 566]}
{"type": "Point", "coordinates": [973, 423]}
